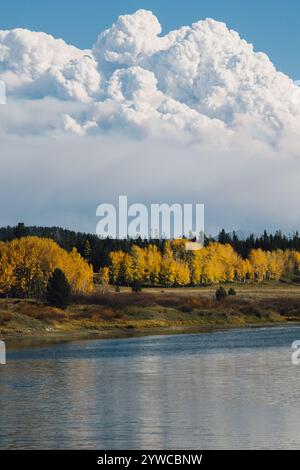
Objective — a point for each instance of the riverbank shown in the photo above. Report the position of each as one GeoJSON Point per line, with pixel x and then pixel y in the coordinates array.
{"type": "Point", "coordinates": [150, 312]}
{"type": "Point", "coordinates": [131, 392]}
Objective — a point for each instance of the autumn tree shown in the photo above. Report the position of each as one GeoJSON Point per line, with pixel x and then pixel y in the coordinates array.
{"type": "Point", "coordinates": [104, 278]}
{"type": "Point", "coordinates": [259, 264]}
{"type": "Point", "coordinates": [168, 266]}
{"type": "Point", "coordinates": [116, 259]}
{"type": "Point", "coordinates": [152, 265]}
{"type": "Point", "coordinates": [182, 274]}
{"type": "Point", "coordinates": [215, 263]}
{"type": "Point", "coordinates": [6, 270]}
{"type": "Point", "coordinates": [27, 264]}
{"type": "Point", "coordinates": [138, 264]}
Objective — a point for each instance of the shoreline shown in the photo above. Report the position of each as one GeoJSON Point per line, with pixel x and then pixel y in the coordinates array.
{"type": "Point", "coordinates": [126, 315]}
{"type": "Point", "coordinates": [37, 340]}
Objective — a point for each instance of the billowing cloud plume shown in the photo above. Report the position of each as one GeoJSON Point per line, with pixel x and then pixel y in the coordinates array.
{"type": "Point", "coordinates": [200, 80]}
{"type": "Point", "coordinates": [35, 65]}
{"type": "Point", "coordinates": [130, 40]}
{"type": "Point", "coordinates": [216, 117]}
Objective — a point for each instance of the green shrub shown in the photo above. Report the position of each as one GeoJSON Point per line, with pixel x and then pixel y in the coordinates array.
{"type": "Point", "coordinates": [136, 286]}
{"type": "Point", "coordinates": [58, 290]}
{"type": "Point", "coordinates": [231, 291]}
{"type": "Point", "coordinates": [221, 293]}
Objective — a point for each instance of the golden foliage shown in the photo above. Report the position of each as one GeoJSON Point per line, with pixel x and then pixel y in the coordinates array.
{"type": "Point", "coordinates": [212, 264]}
{"type": "Point", "coordinates": [27, 263]}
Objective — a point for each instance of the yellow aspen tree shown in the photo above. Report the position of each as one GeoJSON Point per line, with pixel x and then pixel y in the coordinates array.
{"type": "Point", "coordinates": [182, 273]}
{"type": "Point", "coordinates": [104, 278]}
{"type": "Point", "coordinates": [168, 266]}
{"type": "Point", "coordinates": [259, 264]}
{"type": "Point", "coordinates": [115, 266]}
{"type": "Point", "coordinates": [138, 263]}
{"type": "Point", "coordinates": [244, 270]}
{"type": "Point", "coordinates": [195, 262]}
{"type": "Point", "coordinates": [276, 264]}
{"type": "Point", "coordinates": [32, 261]}
{"type": "Point", "coordinates": [152, 265]}
{"type": "Point", "coordinates": [6, 269]}
{"type": "Point", "coordinates": [127, 269]}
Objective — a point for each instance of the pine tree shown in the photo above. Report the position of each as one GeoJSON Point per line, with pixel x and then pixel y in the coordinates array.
{"type": "Point", "coordinates": [136, 286]}
{"type": "Point", "coordinates": [87, 250]}
{"type": "Point", "coordinates": [58, 290]}
{"type": "Point", "coordinates": [221, 293]}
{"type": "Point", "coordinates": [20, 230]}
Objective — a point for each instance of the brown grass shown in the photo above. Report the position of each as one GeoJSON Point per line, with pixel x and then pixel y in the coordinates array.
{"type": "Point", "coordinates": [148, 309]}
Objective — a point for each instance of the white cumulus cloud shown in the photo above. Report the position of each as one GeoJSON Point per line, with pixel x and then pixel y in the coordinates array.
{"type": "Point", "coordinates": [198, 79]}
{"type": "Point", "coordinates": [216, 117]}
{"type": "Point", "coordinates": [130, 40]}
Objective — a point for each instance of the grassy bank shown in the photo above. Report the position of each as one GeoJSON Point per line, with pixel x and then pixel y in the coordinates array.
{"type": "Point", "coordinates": [153, 310]}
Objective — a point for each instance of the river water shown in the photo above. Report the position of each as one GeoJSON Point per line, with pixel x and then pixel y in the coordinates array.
{"type": "Point", "coordinates": [232, 389]}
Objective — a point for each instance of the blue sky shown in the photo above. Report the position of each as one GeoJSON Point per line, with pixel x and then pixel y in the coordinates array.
{"type": "Point", "coordinates": [272, 25]}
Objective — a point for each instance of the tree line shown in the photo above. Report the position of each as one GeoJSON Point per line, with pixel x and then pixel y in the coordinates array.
{"type": "Point", "coordinates": [97, 251]}
{"type": "Point", "coordinates": [92, 248]}
{"type": "Point", "coordinates": [266, 242]}
{"type": "Point", "coordinates": [215, 263]}
{"type": "Point", "coordinates": [27, 263]}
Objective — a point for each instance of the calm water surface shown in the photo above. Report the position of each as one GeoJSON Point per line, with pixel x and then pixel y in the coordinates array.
{"type": "Point", "coordinates": [234, 389]}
